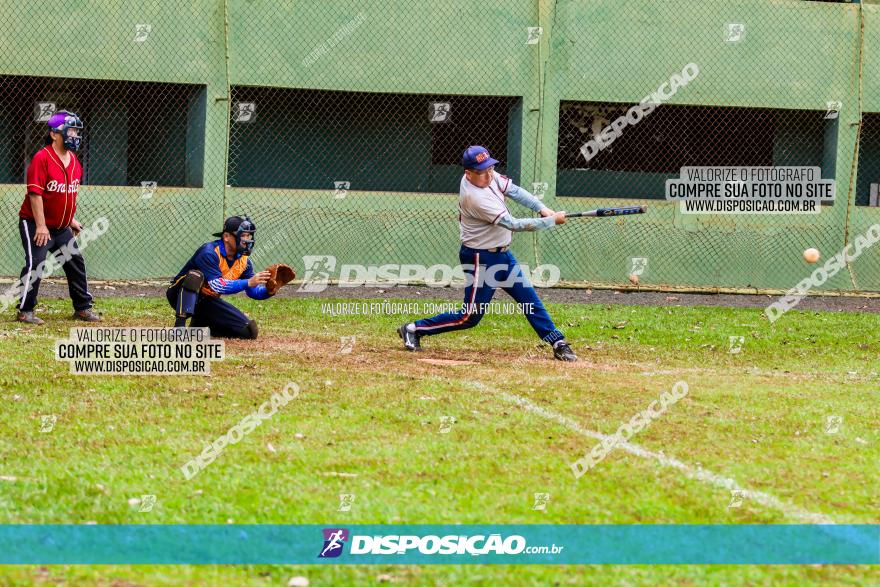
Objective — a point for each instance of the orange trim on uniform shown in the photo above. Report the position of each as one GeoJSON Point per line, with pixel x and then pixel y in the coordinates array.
{"type": "Point", "coordinates": [226, 271]}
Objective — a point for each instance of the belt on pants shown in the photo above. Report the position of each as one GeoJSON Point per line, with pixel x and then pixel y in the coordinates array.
{"type": "Point", "coordinates": [494, 250]}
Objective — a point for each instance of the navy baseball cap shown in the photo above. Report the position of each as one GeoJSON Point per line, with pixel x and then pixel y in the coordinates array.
{"type": "Point", "coordinates": [477, 157]}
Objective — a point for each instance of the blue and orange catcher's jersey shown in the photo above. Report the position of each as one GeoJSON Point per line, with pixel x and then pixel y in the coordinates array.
{"type": "Point", "coordinates": [221, 276]}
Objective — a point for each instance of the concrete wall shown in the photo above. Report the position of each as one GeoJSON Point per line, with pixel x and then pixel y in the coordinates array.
{"type": "Point", "coordinates": [796, 55]}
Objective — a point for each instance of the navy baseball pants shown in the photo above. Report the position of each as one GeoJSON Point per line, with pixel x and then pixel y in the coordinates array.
{"type": "Point", "coordinates": [222, 318]}
{"type": "Point", "coordinates": [486, 271]}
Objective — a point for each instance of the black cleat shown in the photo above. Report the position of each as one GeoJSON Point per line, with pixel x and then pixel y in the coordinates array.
{"type": "Point", "coordinates": [563, 352]}
{"type": "Point", "coordinates": [410, 339]}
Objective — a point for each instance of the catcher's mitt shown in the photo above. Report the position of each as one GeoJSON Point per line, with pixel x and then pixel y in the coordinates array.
{"type": "Point", "coordinates": [281, 275]}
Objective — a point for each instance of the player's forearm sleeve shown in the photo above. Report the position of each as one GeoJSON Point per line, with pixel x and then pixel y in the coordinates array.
{"type": "Point", "coordinates": [227, 287]}
{"type": "Point", "coordinates": [258, 292]}
{"type": "Point", "coordinates": [526, 224]}
{"type": "Point", "coordinates": [524, 198]}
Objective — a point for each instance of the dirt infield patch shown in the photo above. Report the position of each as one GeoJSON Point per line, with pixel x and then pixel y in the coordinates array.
{"type": "Point", "coordinates": [442, 362]}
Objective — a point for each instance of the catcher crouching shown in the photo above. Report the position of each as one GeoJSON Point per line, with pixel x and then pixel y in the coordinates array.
{"type": "Point", "coordinates": [223, 267]}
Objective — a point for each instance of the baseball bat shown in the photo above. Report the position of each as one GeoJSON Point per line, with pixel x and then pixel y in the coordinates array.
{"type": "Point", "coordinates": [603, 212]}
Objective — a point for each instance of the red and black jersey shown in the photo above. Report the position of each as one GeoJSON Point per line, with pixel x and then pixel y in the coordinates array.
{"type": "Point", "coordinates": [47, 178]}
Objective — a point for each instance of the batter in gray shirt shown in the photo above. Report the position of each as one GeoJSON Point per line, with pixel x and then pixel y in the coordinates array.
{"type": "Point", "coordinates": [485, 222]}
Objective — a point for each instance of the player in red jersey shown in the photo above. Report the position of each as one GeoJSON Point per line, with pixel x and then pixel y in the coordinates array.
{"type": "Point", "coordinates": [46, 219]}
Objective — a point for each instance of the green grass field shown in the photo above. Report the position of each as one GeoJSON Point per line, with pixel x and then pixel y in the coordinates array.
{"type": "Point", "coordinates": [368, 423]}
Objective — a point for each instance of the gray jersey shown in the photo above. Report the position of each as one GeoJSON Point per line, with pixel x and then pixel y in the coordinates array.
{"type": "Point", "coordinates": [485, 222]}
{"type": "Point", "coordinates": [480, 209]}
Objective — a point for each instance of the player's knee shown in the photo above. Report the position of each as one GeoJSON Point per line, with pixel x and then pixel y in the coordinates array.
{"type": "Point", "coordinates": [250, 331]}
{"type": "Point", "coordinates": [194, 280]}
{"type": "Point", "coordinates": [473, 320]}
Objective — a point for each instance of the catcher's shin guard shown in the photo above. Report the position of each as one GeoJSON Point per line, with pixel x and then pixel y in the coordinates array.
{"type": "Point", "coordinates": [188, 295]}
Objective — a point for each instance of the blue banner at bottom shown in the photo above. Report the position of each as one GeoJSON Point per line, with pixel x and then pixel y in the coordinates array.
{"type": "Point", "coordinates": [440, 544]}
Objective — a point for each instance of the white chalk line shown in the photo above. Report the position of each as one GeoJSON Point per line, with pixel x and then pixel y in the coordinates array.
{"type": "Point", "coordinates": [700, 474]}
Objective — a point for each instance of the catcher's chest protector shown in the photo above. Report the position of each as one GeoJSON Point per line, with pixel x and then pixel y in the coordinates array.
{"type": "Point", "coordinates": [230, 272]}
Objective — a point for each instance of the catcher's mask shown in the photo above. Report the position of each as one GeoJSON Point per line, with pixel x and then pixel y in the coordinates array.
{"type": "Point", "coordinates": [61, 122]}
{"type": "Point", "coordinates": [239, 225]}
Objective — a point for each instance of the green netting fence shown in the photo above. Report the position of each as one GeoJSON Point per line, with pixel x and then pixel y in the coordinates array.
{"type": "Point", "coordinates": [338, 127]}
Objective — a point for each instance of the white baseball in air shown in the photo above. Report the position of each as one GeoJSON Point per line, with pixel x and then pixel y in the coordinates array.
{"type": "Point", "coordinates": [811, 255]}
